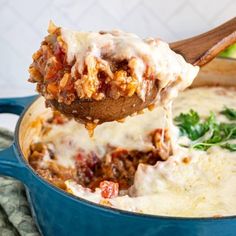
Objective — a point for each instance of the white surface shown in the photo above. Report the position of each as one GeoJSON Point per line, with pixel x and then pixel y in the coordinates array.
{"type": "Point", "coordinates": [23, 24]}
{"type": "Point", "coordinates": [8, 121]}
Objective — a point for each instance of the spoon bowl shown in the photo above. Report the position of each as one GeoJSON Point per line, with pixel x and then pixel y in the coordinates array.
{"type": "Point", "coordinates": [86, 111]}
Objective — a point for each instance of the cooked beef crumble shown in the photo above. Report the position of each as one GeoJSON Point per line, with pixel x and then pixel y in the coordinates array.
{"type": "Point", "coordinates": [118, 165]}
{"type": "Point", "coordinates": [59, 79]}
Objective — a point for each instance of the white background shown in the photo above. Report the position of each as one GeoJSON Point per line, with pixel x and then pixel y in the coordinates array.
{"type": "Point", "coordinates": [23, 24]}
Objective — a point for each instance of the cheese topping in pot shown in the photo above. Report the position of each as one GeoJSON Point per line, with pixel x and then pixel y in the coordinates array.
{"type": "Point", "coordinates": [190, 183]}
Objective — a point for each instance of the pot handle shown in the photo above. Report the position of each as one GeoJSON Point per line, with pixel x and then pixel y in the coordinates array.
{"type": "Point", "coordinates": [15, 105]}
{"type": "Point", "coordinates": [10, 165]}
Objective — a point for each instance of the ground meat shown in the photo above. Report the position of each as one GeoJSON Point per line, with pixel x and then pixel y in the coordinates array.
{"type": "Point", "coordinates": [104, 76]}
{"type": "Point", "coordinates": [54, 173]}
{"type": "Point", "coordinates": [117, 166]}
{"type": "Point", "coordinates": [120, 166]}
{"type": "Point", "coordinates": [51, 71]}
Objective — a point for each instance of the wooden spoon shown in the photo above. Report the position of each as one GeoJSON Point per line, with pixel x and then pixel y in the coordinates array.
{"type": "Point", "coordinates": [197, 50]}
{"type": "Point", "coordinates": [201, 49]}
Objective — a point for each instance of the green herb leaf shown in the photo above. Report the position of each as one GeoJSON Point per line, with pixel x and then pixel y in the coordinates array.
{"type": "Point", "coordinates": [190, 118]}
{"type": "Point", "coordinates": [230, 146]}
{"type": "Point", "coordinates": [202, 146]}
{"type": "Point", "coordinates": [190, 125]}
{"type": "Point", "coordinates": [209, 132]}
{"type": "Point", "coordinates": [229, 113]}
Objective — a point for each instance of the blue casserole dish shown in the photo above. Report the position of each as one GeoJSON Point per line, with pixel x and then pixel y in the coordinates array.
{"type": "Point", "coordinates": [58, 213]}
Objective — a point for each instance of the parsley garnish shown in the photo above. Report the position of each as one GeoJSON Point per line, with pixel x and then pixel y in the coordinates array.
{"type": "Point", "coordinates": [230, 146]}
{"type": "Point", "coordinates": [229, 113]}
{"type": "Point", "coordinates": [191, 126]}
{"type": "Point", "coordinates": [208, 132]}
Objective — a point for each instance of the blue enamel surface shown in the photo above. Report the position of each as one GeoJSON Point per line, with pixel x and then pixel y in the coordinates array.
{"type": "Point", "coordinates": [10, 164]}
{"type": "Point", "coordinates": [60, 214]}
{"type": "Point", "coordinates": [15, 105]}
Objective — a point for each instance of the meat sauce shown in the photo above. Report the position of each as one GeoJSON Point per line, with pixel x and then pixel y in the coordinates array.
{"type": "Point", "coordinates": [117, 166]}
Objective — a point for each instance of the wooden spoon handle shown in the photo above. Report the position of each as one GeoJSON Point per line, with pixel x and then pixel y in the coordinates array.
{"type": "Point", "coordinates": [201, 49]}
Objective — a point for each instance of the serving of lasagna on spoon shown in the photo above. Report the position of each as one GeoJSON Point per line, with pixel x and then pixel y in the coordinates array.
{"type": "Point", "coordinates": [106, 76]}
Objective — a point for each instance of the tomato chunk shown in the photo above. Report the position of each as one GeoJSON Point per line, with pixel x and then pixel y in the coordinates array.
{"type": "Point", "coordinates": [109, 189]}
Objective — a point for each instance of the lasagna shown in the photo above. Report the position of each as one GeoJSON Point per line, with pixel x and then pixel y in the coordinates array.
{"type": "Point", "coordinates": [186, 168]}
{"type": "Point", "coordinates": [74, 65]}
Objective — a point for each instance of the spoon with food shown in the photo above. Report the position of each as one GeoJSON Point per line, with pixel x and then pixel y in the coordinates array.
{"type": "Point", "coordinates": [106, 76]}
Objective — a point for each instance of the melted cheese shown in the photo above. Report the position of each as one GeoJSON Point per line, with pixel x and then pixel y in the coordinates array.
{"type": "Point", "coordinates": [202, 187]}
{"type": "Point", "coordinates": [132, 135]}
{"type": "Point", "coordinates": [170, 69]}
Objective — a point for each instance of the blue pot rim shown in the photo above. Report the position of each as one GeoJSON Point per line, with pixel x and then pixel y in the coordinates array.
{"type": "Point", "coordinates": [96, 206]}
